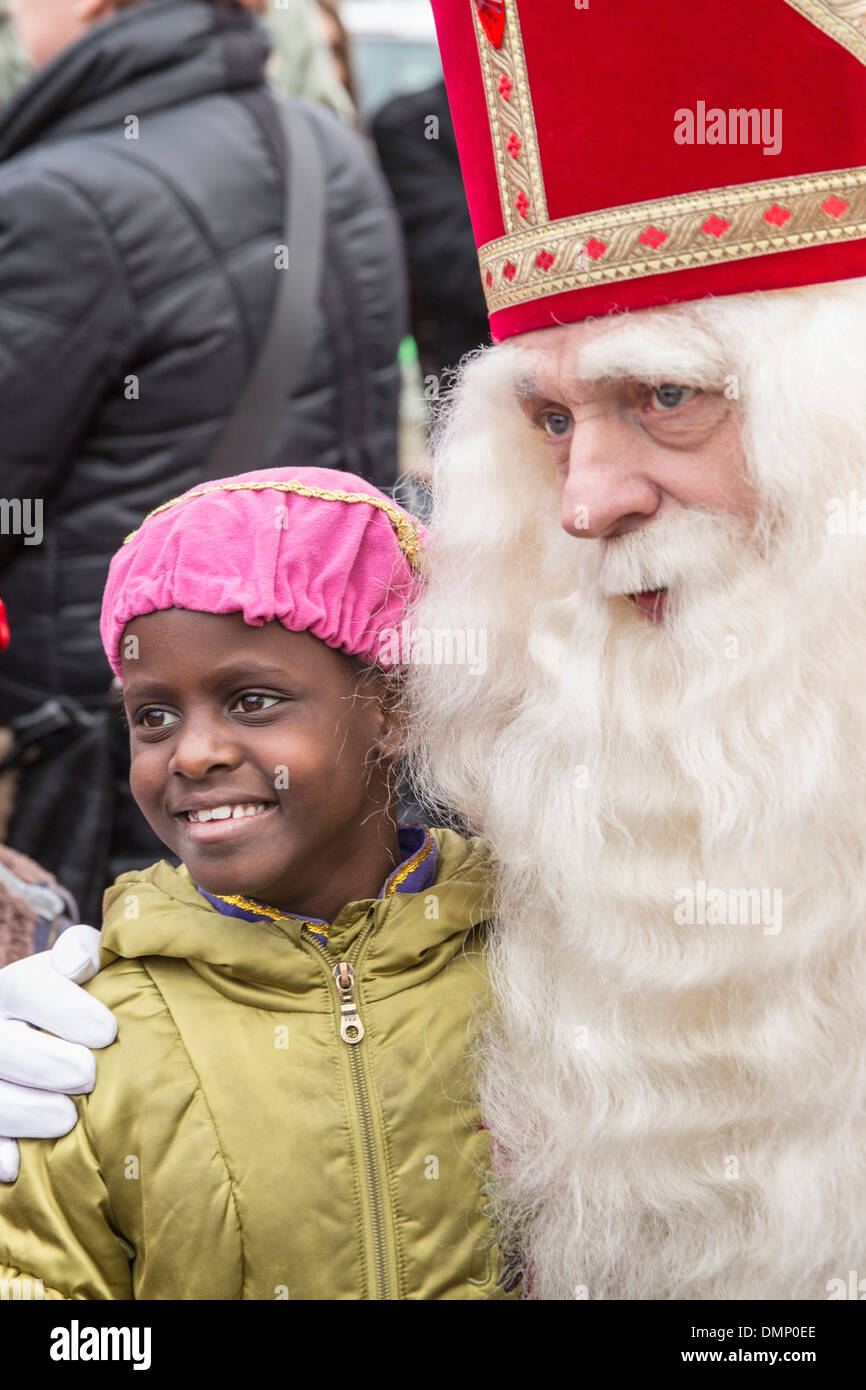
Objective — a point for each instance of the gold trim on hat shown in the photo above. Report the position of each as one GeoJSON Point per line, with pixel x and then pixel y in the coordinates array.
{"type": "Point", "coordinates": [408, 530]}
{"type": "Point", "coordinates": [827, 17]}
{"type": "Point", "coordinates": [678, 233]}
{"type": "Point", "coordinates": [536, 257]}
{"type": "Point", "coordinates": [512, 124]}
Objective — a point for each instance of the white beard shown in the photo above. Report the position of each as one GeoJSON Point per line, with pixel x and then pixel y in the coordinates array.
{"type": "Point", "coordinates": [679, 1109]}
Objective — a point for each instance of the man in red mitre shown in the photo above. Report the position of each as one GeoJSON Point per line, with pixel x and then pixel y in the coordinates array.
{"type": "Point", "coordinates": [652, 496]}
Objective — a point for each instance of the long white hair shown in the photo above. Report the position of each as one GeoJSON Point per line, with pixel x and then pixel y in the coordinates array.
{"type": "Point", "coordinates": [676, 1083]}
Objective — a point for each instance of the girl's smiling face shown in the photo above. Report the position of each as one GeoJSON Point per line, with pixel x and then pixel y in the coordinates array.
{"type": "Point", "coordinates": [269, 736]}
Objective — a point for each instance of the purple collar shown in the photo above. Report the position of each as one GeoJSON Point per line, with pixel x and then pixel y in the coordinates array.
{"type": "Point", "coordinates": [415, 872]}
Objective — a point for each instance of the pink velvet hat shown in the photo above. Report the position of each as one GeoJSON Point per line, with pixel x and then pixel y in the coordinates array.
{"type": "Point", "coordinates": [318, 550]}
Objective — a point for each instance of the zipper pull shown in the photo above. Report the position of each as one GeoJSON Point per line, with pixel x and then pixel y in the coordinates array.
{"type": "Point", "coordinates": [351, 1027]}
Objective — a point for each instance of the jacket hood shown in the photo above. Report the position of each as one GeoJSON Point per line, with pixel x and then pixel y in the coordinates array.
{"type": "Point", "coordinates": [159, 912]}
{"type": "Point", "coordinates": [156, 54]}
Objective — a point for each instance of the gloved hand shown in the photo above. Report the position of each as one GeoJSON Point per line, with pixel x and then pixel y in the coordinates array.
{"type": "Point", "coordinates": [39, 1072]}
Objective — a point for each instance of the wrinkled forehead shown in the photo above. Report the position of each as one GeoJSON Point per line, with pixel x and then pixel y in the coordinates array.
{"type": "Point", "coordinates": [649, 346]}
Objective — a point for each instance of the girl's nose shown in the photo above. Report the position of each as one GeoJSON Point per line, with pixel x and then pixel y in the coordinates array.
{"type": "Point", "coordinates": [203, 746]}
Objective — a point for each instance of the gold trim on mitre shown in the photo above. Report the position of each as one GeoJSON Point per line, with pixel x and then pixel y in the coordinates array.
{"type": "Point", "coordinates": [512, 123]}
{"type": "Point", "coordinates": [680, 233]}
{"type": "Point", "coordinates": [407, 529]}
{"type": "Point", "coordinates": [838, 20]}
{"type": "Point", "coordinates": [537, 257]}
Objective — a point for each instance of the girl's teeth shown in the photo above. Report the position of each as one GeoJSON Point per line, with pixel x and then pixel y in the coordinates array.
{"type": "Point", "coordinates": [227, 812]}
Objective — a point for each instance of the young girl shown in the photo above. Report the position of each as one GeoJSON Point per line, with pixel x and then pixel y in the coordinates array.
{"type": "Point", "coordinates": [286, 1112]}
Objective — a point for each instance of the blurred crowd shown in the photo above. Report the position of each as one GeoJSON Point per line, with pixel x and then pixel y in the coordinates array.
{"type": "Point", "coordinates": [144, 182]}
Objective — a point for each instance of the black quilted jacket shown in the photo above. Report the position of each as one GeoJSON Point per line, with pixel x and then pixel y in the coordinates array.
{"type": "Point", "coordinates": [141, 205]}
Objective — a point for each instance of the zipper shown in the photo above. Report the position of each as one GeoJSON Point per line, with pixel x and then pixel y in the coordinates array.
{"type": "Point", "coordinates": [351, 1027]}
{"type": "Point", "coordinates": [352, 1032]}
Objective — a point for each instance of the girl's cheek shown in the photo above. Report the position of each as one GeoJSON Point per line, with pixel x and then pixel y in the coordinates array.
{"type": "Point", "coordinates": [145, 775]}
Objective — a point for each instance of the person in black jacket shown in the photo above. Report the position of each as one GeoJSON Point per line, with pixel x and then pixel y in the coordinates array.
{"type": "Point", "coordinates": [414, 138]}
{"type": "Point", "coordinates": [141, 218]}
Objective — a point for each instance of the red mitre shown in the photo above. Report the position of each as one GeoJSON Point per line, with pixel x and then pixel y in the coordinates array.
{"type": "Point", "coordinates": [624, 153]}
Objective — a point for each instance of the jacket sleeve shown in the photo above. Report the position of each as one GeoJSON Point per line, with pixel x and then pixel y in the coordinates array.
{"type": "Point", "coordinates": [58, 1234]}
{"type": "Point", "coordinates": [66, 321]}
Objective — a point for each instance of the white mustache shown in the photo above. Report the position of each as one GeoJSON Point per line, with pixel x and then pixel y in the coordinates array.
{"type": "Point", "coordinates": [692, 549]}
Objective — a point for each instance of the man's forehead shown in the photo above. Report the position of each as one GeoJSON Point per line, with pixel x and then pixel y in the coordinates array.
{"type": "Point", "coordinates": [645, 346]}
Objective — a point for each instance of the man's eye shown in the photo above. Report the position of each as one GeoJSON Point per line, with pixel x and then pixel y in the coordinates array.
{"type": "Point", "coordinates": [556, 423]}
{"type": "Point", "coordinates": [156, 718]}
{"type": "Point", "coordinates": [668, 397]}
{"type": "Point", "coordinates": [253, 702]}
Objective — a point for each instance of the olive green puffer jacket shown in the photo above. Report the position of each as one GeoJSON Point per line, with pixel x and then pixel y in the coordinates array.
{"type": "Point", "coordinates": [239, 1143]}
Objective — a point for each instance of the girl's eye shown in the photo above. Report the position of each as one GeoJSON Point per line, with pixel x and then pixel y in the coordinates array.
{"type": "Point", "coordinates": [669, 397]}
{"type": "Point", "coordinates": [156, 719]}
{"type": "Point", "coordinates": [556, 423]}
{"type": "Point", "coordinates": [254, 702]}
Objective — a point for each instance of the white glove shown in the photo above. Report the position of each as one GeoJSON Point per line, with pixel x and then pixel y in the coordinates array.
{"type": "Point", "coordinates": [39, 1072]}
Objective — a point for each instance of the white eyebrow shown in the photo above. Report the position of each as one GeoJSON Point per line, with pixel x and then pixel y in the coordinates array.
{"type": "Point", "coordinates": [655, 351]}
{"type": "Point", "coordinates": [651, 349]}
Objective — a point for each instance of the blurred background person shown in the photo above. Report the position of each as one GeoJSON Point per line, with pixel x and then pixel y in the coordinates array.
{"type": "Point", "coordinates": [395, 75]}
{"type": "Point", "coordinates": [415, 140]}
{"type": "Point", "coordinates": [34, 909]}
{"type": "Point", "coordinates": [338, 44]}
{"type": "Point", "coordinates": [301, 64]}
{"type": "Point", "coordinates": [141, 209]}
{"type": "Point", "coordinates": [13, 60]}
{"type": "Point", "coordinates": [310, 55]}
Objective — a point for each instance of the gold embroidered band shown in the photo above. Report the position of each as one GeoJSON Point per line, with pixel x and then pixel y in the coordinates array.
{"type": "Point", "coordinates": [695, 229]}
{"type": "Point", "coordinates": [846, 32]}
{"type": "Point", "coordinates": [407, 529]}
{"type": "Point", "coordinates": [512, 124]}
{"type": "Point", "coordinates": [537, 257]}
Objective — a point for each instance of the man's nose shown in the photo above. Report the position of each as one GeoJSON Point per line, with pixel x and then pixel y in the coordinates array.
{"type": "Point", "coordinates": [607, 489]}
{"type": "Point", "coordinates": [203, 745]}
